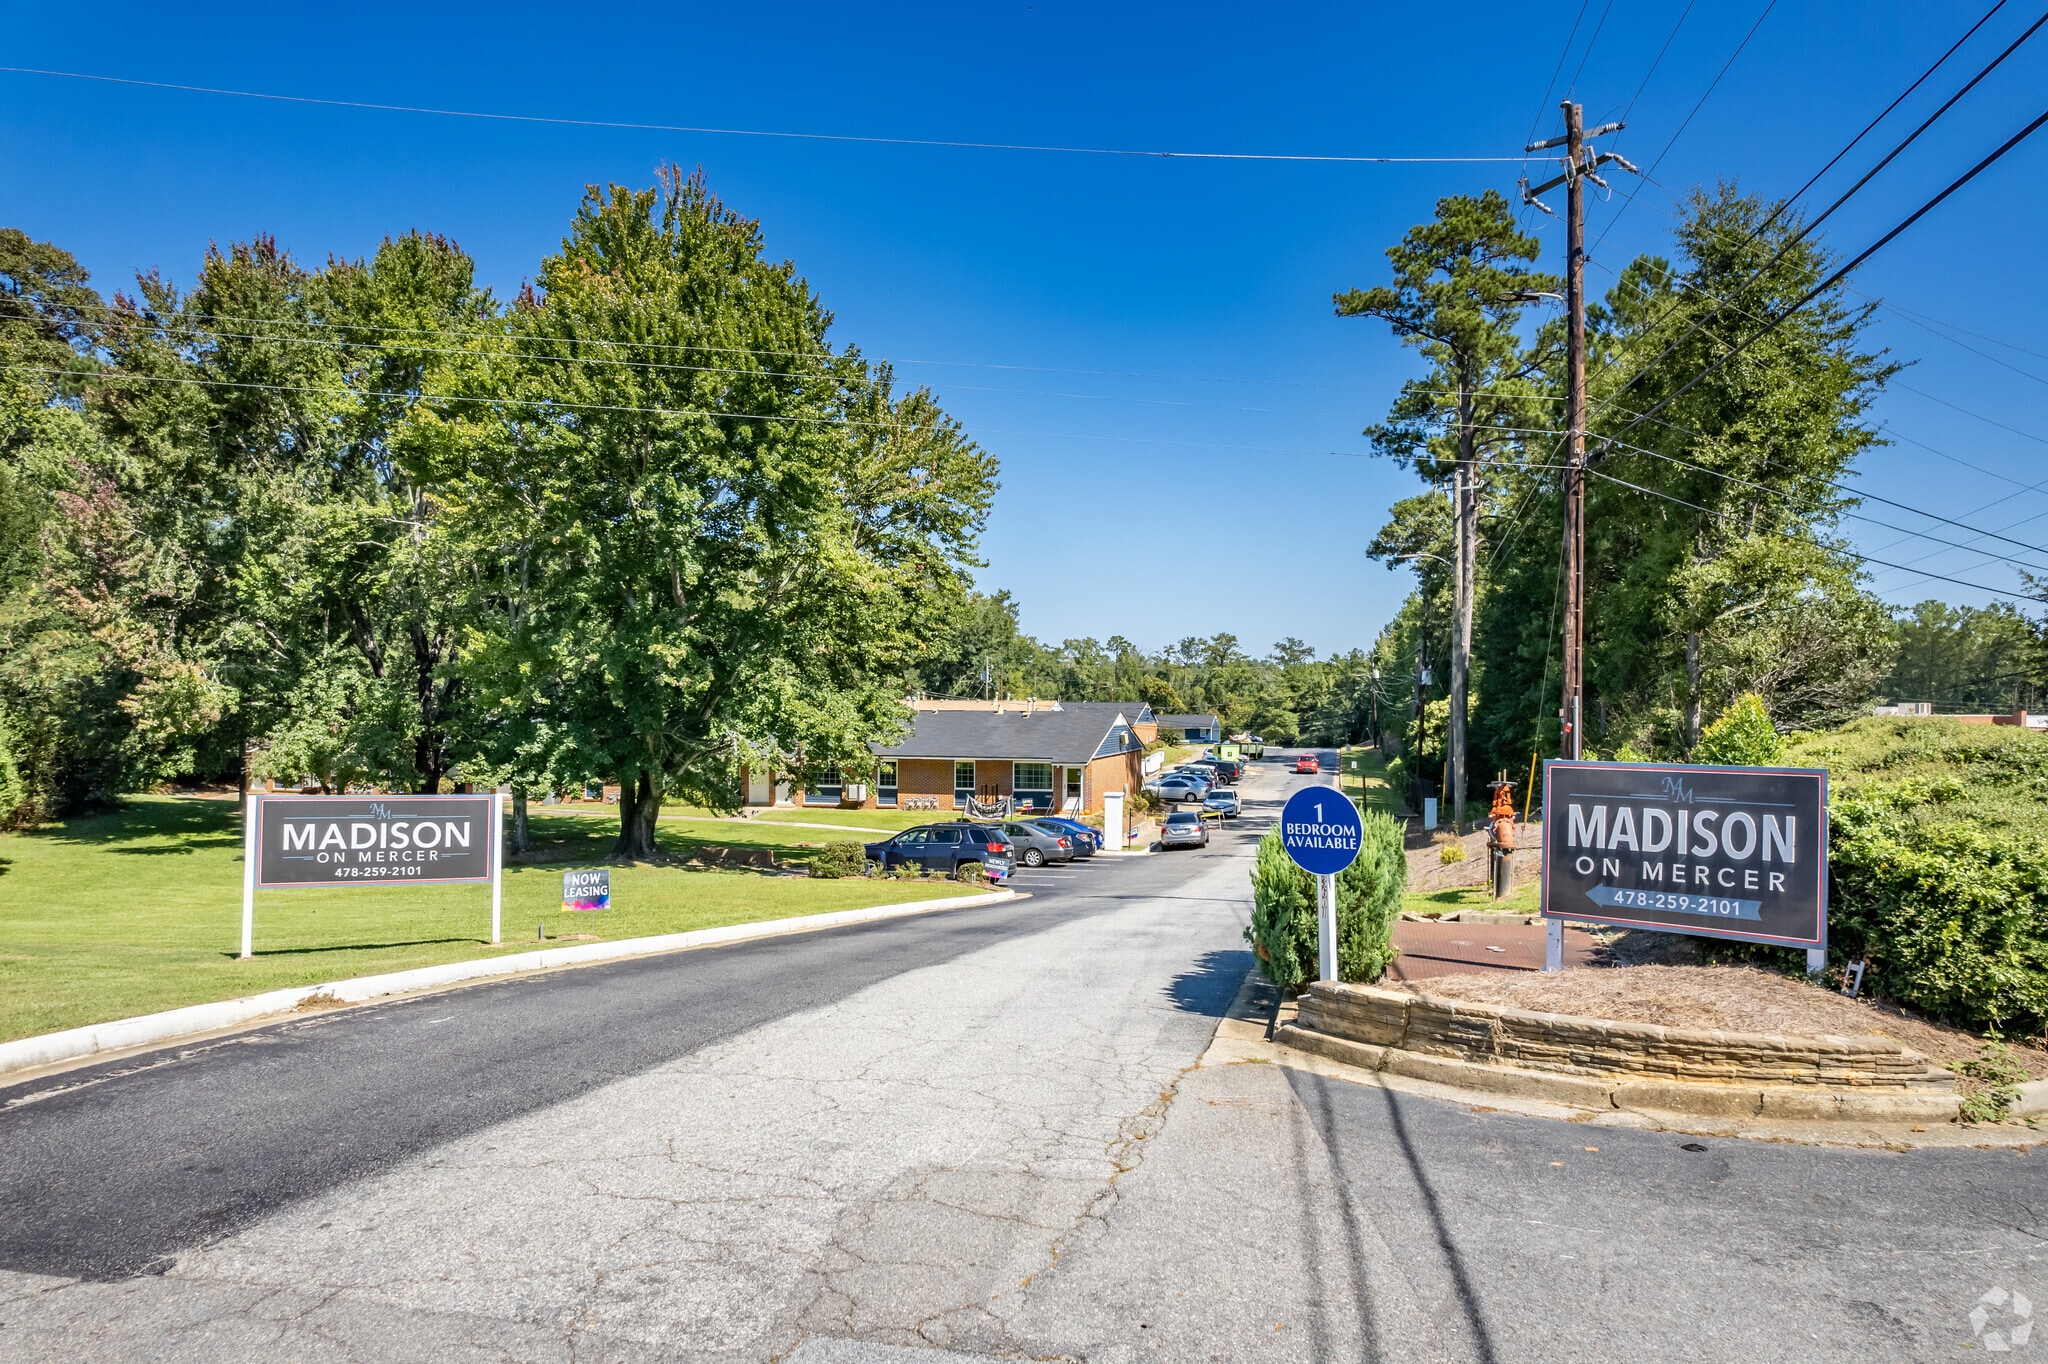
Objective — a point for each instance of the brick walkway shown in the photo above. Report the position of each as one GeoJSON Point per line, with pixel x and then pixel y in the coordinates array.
{"type": "Point", "coordinates": [1465, 949]}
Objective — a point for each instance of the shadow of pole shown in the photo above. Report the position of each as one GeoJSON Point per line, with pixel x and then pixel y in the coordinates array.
{"type": "Point", "coordinates": [1468, 1298]}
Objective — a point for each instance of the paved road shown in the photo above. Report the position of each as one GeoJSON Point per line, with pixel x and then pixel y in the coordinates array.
{"type": "Point", "coordinates": [984, 1133]}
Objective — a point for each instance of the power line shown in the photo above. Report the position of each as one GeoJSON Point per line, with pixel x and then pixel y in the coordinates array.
{"type": "Point", "coordinates": [747, 132]}
{"type": "Point", "coordinates": [1896, 102]}
{"type": "Point", "coordinates": [1862, 256]}
{"type": "Point", "coordinates": [1864, 558]}
{"type": "Point", "coordinates": [1807, 228]}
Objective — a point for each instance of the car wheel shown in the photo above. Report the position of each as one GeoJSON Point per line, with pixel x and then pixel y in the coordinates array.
{"type": "Point", "coordinates": [1033, 858]}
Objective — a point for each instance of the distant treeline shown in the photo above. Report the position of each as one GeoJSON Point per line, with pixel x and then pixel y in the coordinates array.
{"type": "Point", "coordinates": [1286, 697]}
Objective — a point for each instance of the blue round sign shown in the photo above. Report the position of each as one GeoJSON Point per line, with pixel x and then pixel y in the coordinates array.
{"type": "Point", "coordinates": [1320, 829]}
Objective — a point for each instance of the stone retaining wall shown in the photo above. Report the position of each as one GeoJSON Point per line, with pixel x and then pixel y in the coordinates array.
{"type": "Point", "coordinates": [1490, 1034]}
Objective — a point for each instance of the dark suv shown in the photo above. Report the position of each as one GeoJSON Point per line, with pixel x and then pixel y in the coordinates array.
{"type": "Point", "coordinates": [1228, 773]}
{"type": "Point", "coordinates": [947, 849]}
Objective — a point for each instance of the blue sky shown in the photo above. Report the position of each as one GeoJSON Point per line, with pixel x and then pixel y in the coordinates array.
{"type": "Point", "coordinates": [1145, 343]}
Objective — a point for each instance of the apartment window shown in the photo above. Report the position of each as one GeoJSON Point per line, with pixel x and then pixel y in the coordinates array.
{"type": "Point", "coordinates": [963, 784]}
{"type": "Point", "coordinates": [885, 786]}
{"type": "Point", "coordinates": [1031, 786]}
{"type": "Point", "coordinates": [826, 791]}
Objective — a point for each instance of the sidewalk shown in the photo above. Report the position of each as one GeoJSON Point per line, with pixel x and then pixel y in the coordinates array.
{"type": "Point", "coordinates": [1459, 949]}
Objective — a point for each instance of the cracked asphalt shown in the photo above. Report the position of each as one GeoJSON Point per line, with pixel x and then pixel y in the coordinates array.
{"type": "Point", "coordinates": [978, 1133]}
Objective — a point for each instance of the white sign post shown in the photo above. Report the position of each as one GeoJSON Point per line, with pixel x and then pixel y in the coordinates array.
{"type": "Point", "coordinates": [249, 877]}
{"type": "Point", "coordinates": [497, 862]}
{"type": "Point", "coordinates": [1113, 821]}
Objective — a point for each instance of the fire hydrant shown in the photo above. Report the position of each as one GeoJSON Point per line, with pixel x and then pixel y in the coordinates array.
{"type": "Point", "coordinates": [1501, 839]}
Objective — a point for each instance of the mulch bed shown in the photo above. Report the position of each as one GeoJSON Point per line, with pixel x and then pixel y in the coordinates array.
{"type": "Point", "coordinates": [1724, 998]}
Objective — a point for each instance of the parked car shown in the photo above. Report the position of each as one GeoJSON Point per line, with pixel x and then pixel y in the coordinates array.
{"type": "Point", "coordinates": [1175, 787]}
{"type": "Point", "coordinates": [1223, 801]}
{"type": "Point", "coordinates": [1307, 763]}
{"type": "Point", "coordinates": [1078, 844]}
{"type": "Point", "coordinates": [1183, 828]}
{"type": "Point", "coordinates": [1036, 846]}
{"type": "Point", "coordinates": [1087, 842]}
{"type": "Point", "coordinates": [947, 849]}
{"type": "Point", "coordinates": [1227, 772]}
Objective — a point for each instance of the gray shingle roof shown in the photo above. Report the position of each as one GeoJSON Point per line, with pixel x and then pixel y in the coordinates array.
{"type": "Point", "coordinates": [1071, 734]}
{"type": "Point", "coordinates": [1187, 721]}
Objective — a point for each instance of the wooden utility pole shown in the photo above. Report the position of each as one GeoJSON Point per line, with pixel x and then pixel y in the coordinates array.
{"type": "Point", "coordinates": [1580, 165]}
{"type": "Point", "coordinates": [1575, 435]}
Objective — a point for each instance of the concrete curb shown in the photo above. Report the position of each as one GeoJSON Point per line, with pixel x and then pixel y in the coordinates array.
{"type": "Point", "coordinates": [1805, 1103]}
{"type": "Point", "coordinates": [123, 1034]}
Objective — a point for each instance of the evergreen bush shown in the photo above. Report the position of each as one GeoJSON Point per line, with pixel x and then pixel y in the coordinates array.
{"type": "Point", "coordinates": [1742, 737]}
{"type": "Point", "coordinates": [839, 859]}
{"type": "Point", "coordinates": [1369, 891]}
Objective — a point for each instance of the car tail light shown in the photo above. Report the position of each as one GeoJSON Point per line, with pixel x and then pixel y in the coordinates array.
{"type": "Point", "coordinates": [1066, 843]}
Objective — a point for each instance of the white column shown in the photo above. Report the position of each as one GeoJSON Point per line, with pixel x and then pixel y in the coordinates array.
{"type": "Point", "coordinates": [249, 875]}
{"type": "Point", "coordinates": [1816, 960]}
{"type": "Point", "coordinates": [1113, 821]}
{"type": "Point", "coordinates": [1553, 945]}
{"type": "Point", "coordinates": [497, 861]}
{"type": "Point", "coordinates": [1326, 927]}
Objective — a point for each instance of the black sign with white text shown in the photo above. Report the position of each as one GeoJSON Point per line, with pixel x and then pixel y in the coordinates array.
{"type": "Point", "coordinates": [373, 840]}
{"type": "Point", "coordinates": [1723, 852]}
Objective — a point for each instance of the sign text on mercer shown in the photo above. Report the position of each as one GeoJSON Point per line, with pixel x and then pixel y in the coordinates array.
{"type": "Point", "coordinates": [1727, 852]}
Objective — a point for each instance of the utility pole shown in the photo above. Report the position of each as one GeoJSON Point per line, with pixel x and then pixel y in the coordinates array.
{"type": "Point", "coordinates": [1575, 436]}
{"type": "Point", "coordinates": [1579, 167]}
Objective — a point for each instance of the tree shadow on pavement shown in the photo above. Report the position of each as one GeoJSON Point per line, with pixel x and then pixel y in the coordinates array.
{"type": "Point", "coordinates": [1211, 983]}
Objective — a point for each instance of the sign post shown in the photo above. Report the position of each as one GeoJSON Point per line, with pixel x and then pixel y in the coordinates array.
{"type": "Point", "coordinates": [1716, 852]}
{"type": "Point", "coordinates": [497, 858]}
{"type": "Point", "coordinates": [292, 840]}
{"type": "Point", "coordinates": [249, 877]}
{"type": "Point", "coordinates": [1320, 829]}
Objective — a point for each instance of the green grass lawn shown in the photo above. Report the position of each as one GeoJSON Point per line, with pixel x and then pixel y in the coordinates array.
{"type": "Point", "coordinates": [1362, 774]}
{"type": "Point", "coordinates": [140, 910]}
{"type": "Point", "coordinates": [1526, 899]}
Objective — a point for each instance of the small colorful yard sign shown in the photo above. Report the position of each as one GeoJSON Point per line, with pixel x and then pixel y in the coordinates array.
{"type": "Point", "coordinates": [582, 890]}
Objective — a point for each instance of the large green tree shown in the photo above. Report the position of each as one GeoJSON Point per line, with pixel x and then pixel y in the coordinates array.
{"type": "Point", "coordinates": [710, 540]}
{"type": "Point", "coordinates": [1460, 283]}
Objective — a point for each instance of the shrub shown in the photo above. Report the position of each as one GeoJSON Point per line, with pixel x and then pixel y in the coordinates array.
{"type": "Point", "coordinates": [839, 859]}
{"type": "Point", "coordinates": [1451, 850]}
{"type": "Point", "coordinates": [1937, 867]}
{"type": "Point", "coordinates": [1991, 1083]}
{"type": "Point", "coordinates": [1742, 737]}
{"type": "Point", "coordinates": [1283, 928]}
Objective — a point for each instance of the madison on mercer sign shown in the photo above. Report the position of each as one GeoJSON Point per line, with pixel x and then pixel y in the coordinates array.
{"type": "Point", "coordinates": [351, 840]}
{"type": "Point", "coordinates": [1725, 852]}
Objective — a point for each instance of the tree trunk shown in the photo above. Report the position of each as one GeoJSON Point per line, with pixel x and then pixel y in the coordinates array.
{"type": "Point", "coordinates": [1465, 491]}
{"type": "Point", "coordinates": [639, 807]}
{"type": "Point", "coordinates": [1692, 690]}
{"type": "Point", "coordinates": [518, 845]}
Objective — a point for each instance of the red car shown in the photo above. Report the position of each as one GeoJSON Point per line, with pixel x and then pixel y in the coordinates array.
{"type": "Point", "coordinates": [1307, 763]}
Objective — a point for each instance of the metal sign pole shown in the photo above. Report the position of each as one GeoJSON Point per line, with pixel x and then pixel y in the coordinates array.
{"type": "Point", "coordinates": [1553, 945]}
{"type": "Point", "coordinates": [497, 862]}
{"type": "Point", "coordinates": [1326, 927]}
{"type": "Point", "coordinates": [249, 877]}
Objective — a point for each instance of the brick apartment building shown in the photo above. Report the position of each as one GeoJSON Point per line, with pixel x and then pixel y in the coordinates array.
{"type": "Point", "coordinates": [1055, 755]}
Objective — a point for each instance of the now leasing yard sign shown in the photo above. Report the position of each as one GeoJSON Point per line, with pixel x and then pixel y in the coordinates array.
{"type": "Point", "coordinates": [1722, 852]}
{"type": "Point", "coordinates": [296, 841]}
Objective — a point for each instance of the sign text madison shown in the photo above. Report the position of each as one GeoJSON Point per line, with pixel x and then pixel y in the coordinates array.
{"type": "Point", "coordinates": [1724, 852]}
{"type": "Point", "coordinates": [358, 840]}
